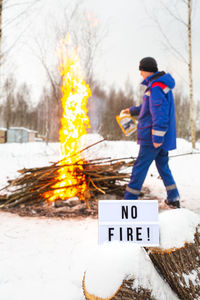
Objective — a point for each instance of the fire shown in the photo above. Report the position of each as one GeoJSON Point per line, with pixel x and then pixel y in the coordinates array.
{"type": "Point", "coordinates": [74, 123]}
{"type": "Point", "coordinates": [92, 20]}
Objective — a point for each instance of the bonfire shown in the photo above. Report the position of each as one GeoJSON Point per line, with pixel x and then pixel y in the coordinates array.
{"type": "Point", "coordinates": [73, 175]}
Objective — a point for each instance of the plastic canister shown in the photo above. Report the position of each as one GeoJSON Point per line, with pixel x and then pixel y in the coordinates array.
{"type": "Point", "coordinates": [127, 123]}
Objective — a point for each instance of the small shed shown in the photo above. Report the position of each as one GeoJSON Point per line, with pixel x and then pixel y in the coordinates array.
{"type": "Point", "coordinates": [20, 135]}
{"type": "Point", "coordinates": [3, 135]}
{"type": "Point", "coordinates": [31, 135]}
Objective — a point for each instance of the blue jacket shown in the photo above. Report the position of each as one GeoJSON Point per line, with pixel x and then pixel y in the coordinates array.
{"type": "Point", "coordinates": [157, 120]}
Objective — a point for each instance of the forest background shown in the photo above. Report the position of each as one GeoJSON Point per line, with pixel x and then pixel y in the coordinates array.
{"type": "Point", "coordinates": [38, 106]}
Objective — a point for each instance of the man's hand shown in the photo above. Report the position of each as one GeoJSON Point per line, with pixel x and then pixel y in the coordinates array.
{"type": "Point", "coordinates": [126, 111]}
{"type": "Point", "coordinates": [156, 145]}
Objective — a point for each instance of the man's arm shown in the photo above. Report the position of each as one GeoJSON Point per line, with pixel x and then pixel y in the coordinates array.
{"type": "Point", "coordinates": [133, 110]}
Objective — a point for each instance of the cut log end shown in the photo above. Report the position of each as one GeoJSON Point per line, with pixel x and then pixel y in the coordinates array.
{"type": "Point", "coordinates": [89, 296]}
{"type": "Point", "coordinates": [180, 267]}
{"type": "Point", "coordinates": [125, 292]}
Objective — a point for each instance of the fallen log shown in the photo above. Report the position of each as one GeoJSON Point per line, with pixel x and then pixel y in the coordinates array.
{"type": "Point", "coordinates": [123, 272]}
{"type": "Point", "coordinates": [125, 292]}
{"type": "Point", "coordinates": [176, 262]}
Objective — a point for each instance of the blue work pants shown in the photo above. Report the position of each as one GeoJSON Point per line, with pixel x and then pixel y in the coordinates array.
{"type": "Point", "coordinates": [147, 154]}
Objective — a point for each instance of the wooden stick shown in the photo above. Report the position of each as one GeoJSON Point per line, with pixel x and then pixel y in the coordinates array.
{"type": "Point", "coordinates": [96, 187]}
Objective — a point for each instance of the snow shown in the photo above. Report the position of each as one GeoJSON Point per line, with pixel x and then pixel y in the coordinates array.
{"type": "Point", "coordinates": [184, 168]}
{"type": "Point", "coordinates": [46, 258]}
{"type": "Point", "coordinates": [16, 156]}
{"type": "Point", "coordinates": [193, 277]}
{"type": "Point", "coordinates": [177, 227]}
{"type": "Point", "coordinates": [112, 263]}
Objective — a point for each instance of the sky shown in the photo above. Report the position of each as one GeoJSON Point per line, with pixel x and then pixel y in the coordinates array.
{"type": "Point", "coordinates": [131, 35]}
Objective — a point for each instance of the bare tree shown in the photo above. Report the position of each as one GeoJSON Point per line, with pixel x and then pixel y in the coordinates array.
{"type": "Point", "coordinates": [86, 36]}
{"type": "Point", "coordinates": [90, 37]}
{"type": "Point", "coordinates": [51, 72]}
{"type": "Point", "coordinates": [182, 114]}
{"type": "Point", "coordinates": [189, 30]}
{"type": "Point", "coordinates": [86, 33]}
{"type": "Point", "coordinates": [185, 58]}
{"type": "Point", "coordinates": [22, 106]}
{"type": "Point", "coordinates": [15, 14]}
{"type": "Point", "coordinates": [9, 101]}
{"type": "Point", "coordinates": [1, 10]}
{"type": "Point", "coordinates": [44, 48]}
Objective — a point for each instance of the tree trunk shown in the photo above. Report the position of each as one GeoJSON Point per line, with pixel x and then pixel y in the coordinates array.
{"type": "Point", "coordinates": [180, 267]}
{"type": "Point", "coordinates": [47, 121]}
{"type": "Point", "coordinates": [1, 10]}
{"type": "Point", "coordinates": [125, 292]}
{"type": "Point", "coordinates": [192, 125]}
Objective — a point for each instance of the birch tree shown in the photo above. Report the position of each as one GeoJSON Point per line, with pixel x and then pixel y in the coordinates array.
{"type": "Point", "coordinates": [186, 58]}
{"type": "Point", "coordinates": [1, 9]}
{"type": "Point", "coordinates": [189, 31]}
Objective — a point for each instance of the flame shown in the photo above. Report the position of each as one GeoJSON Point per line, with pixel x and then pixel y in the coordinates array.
{"type": "Point", "coordinates": [74, 123]}
{"type": "Point", "coordinates": [92, 20]}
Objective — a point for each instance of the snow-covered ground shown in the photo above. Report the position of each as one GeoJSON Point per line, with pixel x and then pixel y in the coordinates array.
{"type": "Point", "coordinates": [186, 168]}
{"type": "Point", "coordinates": [46, 258]}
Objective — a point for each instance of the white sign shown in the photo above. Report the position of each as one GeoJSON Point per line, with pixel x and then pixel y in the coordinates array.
{"type": "Point", "coordinates": [129, 221]}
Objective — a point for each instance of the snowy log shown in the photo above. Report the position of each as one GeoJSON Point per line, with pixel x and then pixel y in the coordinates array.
{"type": "Point", "coordinates": [125, 292]}
{"type": "Point", "coordinates": [123, 271]}
{"type": "Point", "coordinates": [178, 257]}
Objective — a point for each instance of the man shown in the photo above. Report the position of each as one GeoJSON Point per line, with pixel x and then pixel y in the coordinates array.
{"type": "Point", "coordinates": [156, 131]}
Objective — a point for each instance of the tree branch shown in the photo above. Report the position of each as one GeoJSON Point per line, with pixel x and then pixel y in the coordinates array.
{"type": "Point", "coordinates": [173, 14]}
{"type": "Point", "coordinates": [41, 58]}
{"type": "Point", "coordinates": [169, 43]}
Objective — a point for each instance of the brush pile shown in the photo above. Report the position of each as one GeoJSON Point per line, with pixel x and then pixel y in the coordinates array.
{"type": "Point", "coordinates": [102, 176]}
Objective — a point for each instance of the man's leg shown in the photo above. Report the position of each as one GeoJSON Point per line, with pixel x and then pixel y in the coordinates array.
{"type": "Point", "coordinates": [145, 157]}
{"type": "Point", "coordinates": [166, 175]}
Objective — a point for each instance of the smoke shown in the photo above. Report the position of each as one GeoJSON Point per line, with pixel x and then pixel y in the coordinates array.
{"type": "Point", "coordinates": [96, 109]}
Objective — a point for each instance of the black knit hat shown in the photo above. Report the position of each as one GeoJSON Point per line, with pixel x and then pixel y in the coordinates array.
{"type": "Point", "coordinates": [148, 64]}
